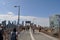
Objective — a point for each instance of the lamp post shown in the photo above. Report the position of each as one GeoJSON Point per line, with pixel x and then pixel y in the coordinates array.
{"type": "Point", "coordinates": [18, 14]}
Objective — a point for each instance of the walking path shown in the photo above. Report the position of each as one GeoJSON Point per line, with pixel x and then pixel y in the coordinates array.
{"type": "Point", "coordinates": [28, 35]}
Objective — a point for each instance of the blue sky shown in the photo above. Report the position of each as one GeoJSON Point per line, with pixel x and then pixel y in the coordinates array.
{"type": "Point", "coordinates": [30, 9]}
{"type": "Point", "coordinates": [37, 8]}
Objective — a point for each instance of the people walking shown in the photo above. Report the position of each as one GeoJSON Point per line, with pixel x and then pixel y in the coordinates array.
{"type": "Point", "coordinates": [33, 28]}
{"type": "Point", "coordinates": [1, 33]}
{"type": "Point", "coordinates": [14, 34]}
{"type": "Point", "coordinates": [39, 28]}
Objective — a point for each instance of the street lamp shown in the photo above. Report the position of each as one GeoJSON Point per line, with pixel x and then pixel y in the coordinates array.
{"type": "Point", "coordinates": [18, 14]}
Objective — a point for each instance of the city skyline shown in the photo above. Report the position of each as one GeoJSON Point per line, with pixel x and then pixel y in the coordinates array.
{"type": "Point", "coordinates": [37, 20]}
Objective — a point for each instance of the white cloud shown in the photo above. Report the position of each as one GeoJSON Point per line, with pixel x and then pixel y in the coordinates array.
{"type": "Point", "coordinates": [10, 13]}
{"type": "Point", "coordinates": [40, 21]}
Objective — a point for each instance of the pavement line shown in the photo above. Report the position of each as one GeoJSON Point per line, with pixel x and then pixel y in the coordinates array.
{"type": "Point", "coordinates": [49, 36]}
{"type": "Point", "coordinates": [31, 35]}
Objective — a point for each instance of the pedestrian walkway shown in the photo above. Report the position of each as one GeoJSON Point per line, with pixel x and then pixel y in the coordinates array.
{"type": "Point", "coordinates": [29, 35]}
{"type": "Point", "coordinates": [42, 36]}
{"type": "Point", "coordinates": [24, 36]}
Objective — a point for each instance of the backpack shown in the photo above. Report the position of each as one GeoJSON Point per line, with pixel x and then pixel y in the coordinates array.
{"type": "Point", "coordinates": [13, 36]}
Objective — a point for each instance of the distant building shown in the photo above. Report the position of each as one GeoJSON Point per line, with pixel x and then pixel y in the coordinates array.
{"type": "Point", "coordinates": [4, 24]}
{"type": "Point", "coordinates": [55, 22]}
{"type": "Point", "coordinates": [9, 24]}
{"type": "Point", "coordinates": [27, 23]}
{"type": "Point", "coordinates": [23, 23]}
{"type": "Point", "coordinates": [14, 22]}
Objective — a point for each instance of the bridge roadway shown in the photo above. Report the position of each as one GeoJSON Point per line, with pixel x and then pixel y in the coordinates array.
{"type": "Point", "coordinates": [28, 35]}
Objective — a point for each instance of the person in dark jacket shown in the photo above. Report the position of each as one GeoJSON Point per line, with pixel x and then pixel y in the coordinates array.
{"type": "Point", "coordinates": [14, 34]}
{"type": "Point", "coordinates": [1, 33]}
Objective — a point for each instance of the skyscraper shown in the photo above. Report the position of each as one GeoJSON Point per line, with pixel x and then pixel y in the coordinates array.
{"type": "Point", "coordinates": [55, 22]}
{"type": "Point", "coordinates": [4, 24]}
{"type": "Point", "coordinates": [23, 23]}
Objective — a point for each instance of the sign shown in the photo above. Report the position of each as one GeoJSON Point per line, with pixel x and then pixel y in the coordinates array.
{"type": "Point", "coordinates": [27, 21]}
